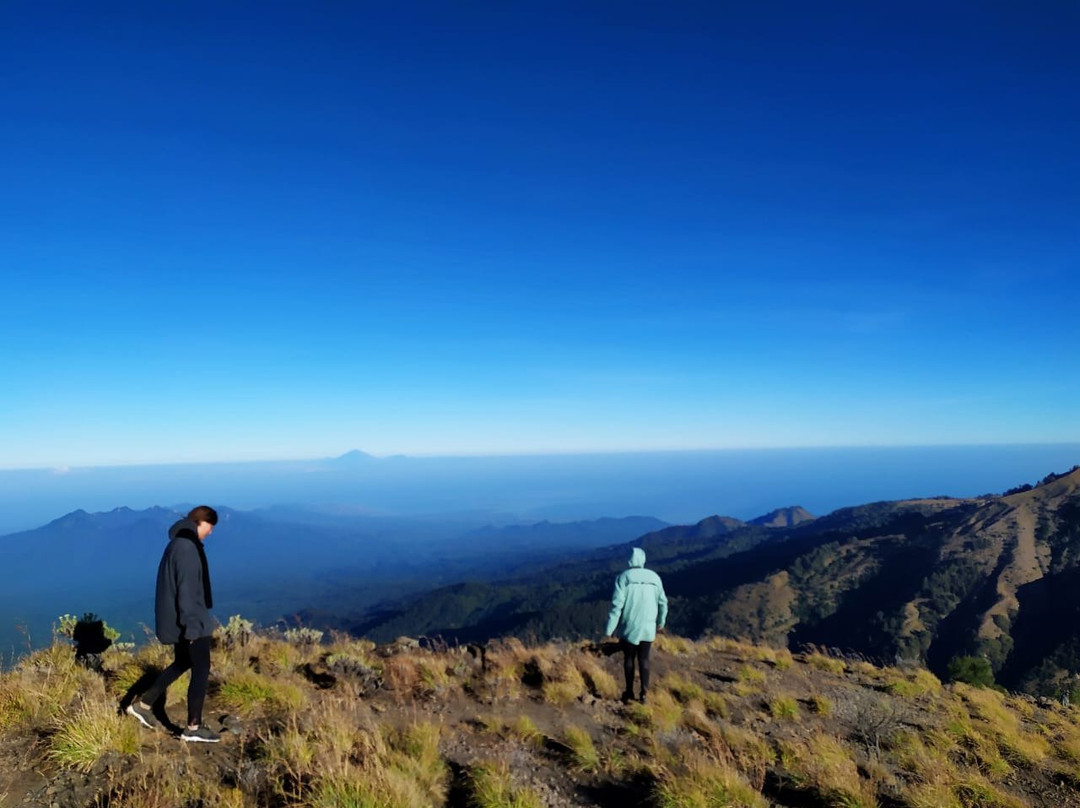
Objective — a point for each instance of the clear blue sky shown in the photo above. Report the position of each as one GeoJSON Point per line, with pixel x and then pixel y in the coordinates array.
{"type": "Point", "coordinates": [285, 230]}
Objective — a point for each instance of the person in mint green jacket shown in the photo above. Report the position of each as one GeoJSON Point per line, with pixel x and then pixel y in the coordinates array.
{"type": "Point", "coordinates": [639, 608]}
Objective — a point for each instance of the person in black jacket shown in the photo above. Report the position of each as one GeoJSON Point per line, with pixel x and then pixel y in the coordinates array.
{"type": "Point", "coordinates": [182, 619]}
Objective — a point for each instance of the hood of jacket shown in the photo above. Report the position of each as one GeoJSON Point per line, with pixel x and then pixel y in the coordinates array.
{"type": "Point", "coordinates": [637, 557]}
{"type": "Point", "coordinates": [184, 524]}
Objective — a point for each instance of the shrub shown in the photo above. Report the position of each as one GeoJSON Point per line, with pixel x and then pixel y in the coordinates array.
{"type": "Point", "coordinates": [303, 637]}
{"type": "Point", "coordinates": [237, 633]}
{"type": "Point", "coordinates": [971, 670]}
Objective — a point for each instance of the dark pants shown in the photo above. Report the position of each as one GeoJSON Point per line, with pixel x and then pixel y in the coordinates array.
{"type": "Point", "coordinates": [193, 656]}
{"type": "Point", "coordinates": [640, 654]}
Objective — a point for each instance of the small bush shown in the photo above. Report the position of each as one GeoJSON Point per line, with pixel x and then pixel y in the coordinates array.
{"type": "Point", "coordinates": [303, 637]}
{"type": "Point", "coordinates": [237, 633]}
{"type": "Point", "coordinates": [971, 670]}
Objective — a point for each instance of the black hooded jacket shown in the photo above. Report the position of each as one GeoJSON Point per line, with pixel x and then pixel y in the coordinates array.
{"type": "Point", "coordinates": [183, 602]}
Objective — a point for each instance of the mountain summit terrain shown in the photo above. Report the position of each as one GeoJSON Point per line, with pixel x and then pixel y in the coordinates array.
{"type": "Point", "coordinates": [342, 723]}
{"type": "Point", "coordinates": [995, 577]}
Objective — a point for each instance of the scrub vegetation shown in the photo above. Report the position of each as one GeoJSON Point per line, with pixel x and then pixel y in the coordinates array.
{"type": "Point", "coordinates": [343, 722]}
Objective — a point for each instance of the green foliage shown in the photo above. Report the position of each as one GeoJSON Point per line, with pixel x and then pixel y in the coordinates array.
{"type": "Point", "coordinates": [303, 636]}
{"type": "Point", "coordinates": [971, 670]}
{"type": "Point", "coordinates": [66, 623]}
{"type": "Point", "coordinates": [238, 632]}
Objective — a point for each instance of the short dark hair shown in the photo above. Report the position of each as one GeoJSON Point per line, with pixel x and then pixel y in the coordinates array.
{"type": "Point", "coordinates": [204, 513]}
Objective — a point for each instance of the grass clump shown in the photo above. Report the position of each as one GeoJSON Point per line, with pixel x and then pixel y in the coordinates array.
{"type": "Point", "coordinates": [248, 692]}
{"type": "Point", "coordinates": [93, 729]}
{"type": "Point", "coordinates": [683, 689]}
{"type": "Point", "coordinates": [704, 783]}
{"type": "Point", "coordinates": [697, 721]}
{"type": "Point", "coordinates": [584, 756]}
{"type": "Point", "coordinates": [673, 644]}
{"type": "Point", "coordinates": [598, 681]}
{"type": "Point", "coordinates": [665, 712]}
{"type": "Point", "coordinates": [490, 786]}
{"type": "Point", "coordinates": [749, 681]}
{"type": "Point", "coordinates": [779, 658]}
{"type": "Point", "coordinates": [825, 663]}
{"type": "Point", "coordinates": [1005, 727]}
{"type": "Point", "coordinates": [330, 763]}
{"type": "Point", "coordinates": [564, 684]}
{"type": "Point", "coordinates": [751, 754]}
{"type": "Point", "coordinates": [823, 765]}
{"type": "Point", "coordinates": [784, 707]}
{"type": "Point", "coordinates": [820, 705]}
{"type": "Point", "coordinates": [716, 705]}
{"type": "Point", "coordinates": [913, 685]}
{"type": "Point", "coordinates": [975, 791]}
{"type": "Point", "coordinates": [525, 729]}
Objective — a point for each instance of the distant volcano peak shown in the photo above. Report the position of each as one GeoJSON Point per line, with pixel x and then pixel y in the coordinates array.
{"type": "Point", "coordinates": [354, 456]}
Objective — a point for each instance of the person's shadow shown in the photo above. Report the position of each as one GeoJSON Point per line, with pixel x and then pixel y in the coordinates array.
{"type": "Point", "coordinates": [158, 707]}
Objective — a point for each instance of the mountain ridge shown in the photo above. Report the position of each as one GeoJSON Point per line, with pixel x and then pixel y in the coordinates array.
{"type": "Point", "coordinates": [931, 579]}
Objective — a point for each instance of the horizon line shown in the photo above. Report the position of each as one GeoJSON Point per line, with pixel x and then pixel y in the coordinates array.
{"type": "Point", "coordinates": [63, 469]}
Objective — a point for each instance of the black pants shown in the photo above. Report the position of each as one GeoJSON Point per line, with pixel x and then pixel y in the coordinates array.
{"type": "Point", "coordinates": [193, 656]}
{"type": "Point", "coordinates": [640, 654]}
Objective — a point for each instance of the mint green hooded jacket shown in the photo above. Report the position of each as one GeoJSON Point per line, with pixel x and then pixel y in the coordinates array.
{"type": "Point", "coordinates": [638, 606]}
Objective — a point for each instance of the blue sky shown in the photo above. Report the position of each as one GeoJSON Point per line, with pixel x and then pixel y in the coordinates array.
{"type": "Point", "coordinates": [276, 230]}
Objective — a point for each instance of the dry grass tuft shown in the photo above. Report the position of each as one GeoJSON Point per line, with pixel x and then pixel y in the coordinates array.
{"type": "Point", "coordinates": [563, 683]}
{"type": "Point", "coordinates": [784, 708]}
{"type": "Point", "coordinates": [682, 689]}
{"type": "Point", "coordinates": [599, 682]}
{"type": "Point", "coordinates": [490, 786]}
{"type": "Point", "coordinates": [820, 705]}
{"type": "Point", "coordinates": [706, 783]}
{"type": "Point", "coordinates": [824, 765]}
{"type": "Point", "coordinates": [90, 732]}
{"type": "Point", "coordinates": [668, 643]}
{"type": "Point", "coordinates": [584, 756]}
{"type": "Point", "coordinates": [825, 663]}
{"type": "Point", "coordinates": [250, 693]}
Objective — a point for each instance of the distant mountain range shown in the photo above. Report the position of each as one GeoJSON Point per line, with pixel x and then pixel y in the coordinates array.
{"type": "Point", "coordinates": [678, 487]}
{"type": "Point", "coordinates": [268, 564]}
{"type": "Point", "coordinates": [996, 576]}
{"type": "Point", "coordinates": [926, 579]}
